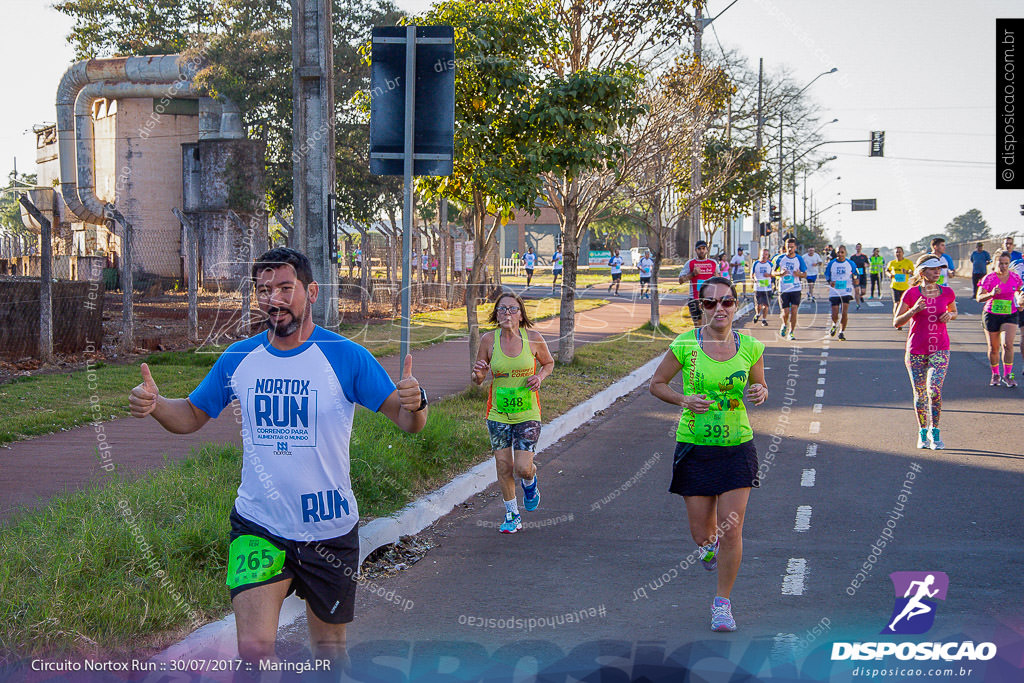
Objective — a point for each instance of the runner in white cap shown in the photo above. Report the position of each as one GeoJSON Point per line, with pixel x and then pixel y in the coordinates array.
{"type": "Point", "coordinates": [927, 306]}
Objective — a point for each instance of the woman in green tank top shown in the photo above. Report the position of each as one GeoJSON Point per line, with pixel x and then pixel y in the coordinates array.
{"type": "Point", "coordinates": [715, 462]}
{"type": "Point", "coordinates": [511, 355]}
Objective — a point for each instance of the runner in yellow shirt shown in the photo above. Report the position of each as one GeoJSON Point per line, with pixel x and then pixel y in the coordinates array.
{"type": "Point", "coordinates": [900, 271]}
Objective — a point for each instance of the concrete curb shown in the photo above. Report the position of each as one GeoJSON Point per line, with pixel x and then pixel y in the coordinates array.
{"type": "Point", "coordinates": [219, 637]}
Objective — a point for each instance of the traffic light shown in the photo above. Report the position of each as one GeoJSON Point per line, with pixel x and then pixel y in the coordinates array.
{"type": "Point", "coordinates": [765, 229]}
{"type": "Point", "coordinates": [773, 215]}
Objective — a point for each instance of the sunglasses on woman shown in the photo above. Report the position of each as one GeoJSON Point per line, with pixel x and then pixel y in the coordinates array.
{"type": "Point", "coordinates": [712, 304]}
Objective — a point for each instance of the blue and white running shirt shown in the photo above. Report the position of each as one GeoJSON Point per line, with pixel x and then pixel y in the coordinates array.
{"type": "Point", "coordinates": [296, 419]}
{"type": "Point", "coordinates": [529, 259]}
{"type": "Point", "coordinates": [790, 265]}
{"type": "Point", "coordinates": [840, 275]}
{"type": "Point", "coordinates": [616, 263]}
{"type": "Point", "coordinates": [762, 272]}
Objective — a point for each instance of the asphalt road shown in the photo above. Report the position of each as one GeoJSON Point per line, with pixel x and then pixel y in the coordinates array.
{"type": "Point", "coordinates": [598, 566]}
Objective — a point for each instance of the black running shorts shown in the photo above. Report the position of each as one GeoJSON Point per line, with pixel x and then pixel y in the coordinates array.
{"type": "Point", "coordinates": [323, 573]}
{"type": "Point", "coordinates": [787, 299]}
{"type": "Point", "coordinates": [994, 322]}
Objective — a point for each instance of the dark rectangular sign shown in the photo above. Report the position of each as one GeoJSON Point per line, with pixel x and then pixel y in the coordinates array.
{"type": "Point", "coordinates": [1009, 56]}
{"type": "Point", "coordinates": [434, 125]}
{"type": "Point", "coordinates": [863, 204]}
{"type": "Point", "coordinates": [878, 143]}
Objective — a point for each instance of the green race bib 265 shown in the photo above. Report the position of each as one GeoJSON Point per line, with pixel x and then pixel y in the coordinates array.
{"type": "Point", "coordinates": [252, 559]}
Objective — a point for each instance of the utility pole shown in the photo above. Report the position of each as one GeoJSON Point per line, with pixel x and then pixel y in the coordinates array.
{"type": "Point", "coordinates": [698, 136]}
{"type": "Point", "coordinates": [781, 177]}
{"type": "Point", "coordinates": [313, 131]}
{"type": "Point", "coordinates": [792, 175]}
{"type": "Point", "coordinates": [760, 123]}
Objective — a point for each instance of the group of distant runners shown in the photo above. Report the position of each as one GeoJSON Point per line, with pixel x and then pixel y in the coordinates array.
{"type": "Point", "coordinates": [292, 511]}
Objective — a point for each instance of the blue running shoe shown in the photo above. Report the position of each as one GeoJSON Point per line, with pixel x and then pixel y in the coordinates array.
{"type": "Point", "coordinates": [531, 496]}
{"type": "Point", "coordinates": [512, 524]}
{"type": "Point", "coordinates": [709, 556]}
{"type": "Point", "coordinates": [721, 615]}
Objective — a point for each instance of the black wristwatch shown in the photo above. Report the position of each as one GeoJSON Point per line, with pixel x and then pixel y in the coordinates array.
{"type": "Point", "coordinates": [423, 400]}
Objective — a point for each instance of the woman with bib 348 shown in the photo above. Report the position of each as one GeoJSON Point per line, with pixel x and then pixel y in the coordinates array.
{"type": "Point", "coordinates": [715, 461]}
{"type": "Point", "coordinates": [511, 354]}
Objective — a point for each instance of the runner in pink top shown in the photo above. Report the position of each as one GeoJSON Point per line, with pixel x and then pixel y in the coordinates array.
{"type": "Point", "coordinates": [927, 306]}
{"type": "Point", "coordinates": [997, 291]}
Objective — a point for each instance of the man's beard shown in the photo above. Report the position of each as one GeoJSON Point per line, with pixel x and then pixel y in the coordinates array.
{"type": "Point", "coordinates": [285, 329]}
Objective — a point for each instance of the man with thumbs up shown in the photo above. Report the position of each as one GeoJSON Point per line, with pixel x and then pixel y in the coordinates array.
{"type": "Point", "coordinates": [294, 524]}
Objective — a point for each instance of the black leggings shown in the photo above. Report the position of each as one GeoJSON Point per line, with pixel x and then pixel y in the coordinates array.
{"type": "Point", "coordinates": [876, 281]}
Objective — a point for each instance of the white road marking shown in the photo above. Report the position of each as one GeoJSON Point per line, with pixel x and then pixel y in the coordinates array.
{"type": "Point", "coordinates": [821, 380]}
{"type": "Point", "coordinates": [823, 363]}
{"type": "Point", "coordinates": [818, 393]}
{"type": "Point", "coordinates": [816, 408]}
{"type": "Point", "coordinates": [803, 518]}
{"type": "Point", "coordinates": [822, 371]}
{"type": "Point", "coordinates": [807, 478]}
{"type": "Point", "coordinates": [815, 427]}
{"type": "Point", "coordinates": [812, 450]}
{"type": "Point", "coordinates": [824, 354]}
{"type": "Point", "coordinates": [796, 575]}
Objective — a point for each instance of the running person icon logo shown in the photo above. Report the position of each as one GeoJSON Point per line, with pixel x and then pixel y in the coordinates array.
{"type": "Point", "coordinates": [914, 608]}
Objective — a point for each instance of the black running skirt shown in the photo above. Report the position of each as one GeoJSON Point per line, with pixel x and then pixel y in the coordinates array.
{"type": "Point", "coordinates": [712, 470]}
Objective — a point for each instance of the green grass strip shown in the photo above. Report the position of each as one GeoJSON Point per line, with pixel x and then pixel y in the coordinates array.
{"type": "Point", "coordinates": [44, 404]}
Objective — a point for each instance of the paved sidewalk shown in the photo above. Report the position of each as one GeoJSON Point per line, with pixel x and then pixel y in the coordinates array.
{"type": "Point", "coordinates": [33, 471]}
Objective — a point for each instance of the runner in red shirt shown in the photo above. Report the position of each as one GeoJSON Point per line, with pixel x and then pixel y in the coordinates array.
{"type": "Point", "coordinates": [697, 271]}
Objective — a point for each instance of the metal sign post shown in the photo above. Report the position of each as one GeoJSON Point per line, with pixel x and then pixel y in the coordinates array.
{"type": "Point", "coordinates": [407, 152]}
{"type": "Point", "coordinates": [422, 111]}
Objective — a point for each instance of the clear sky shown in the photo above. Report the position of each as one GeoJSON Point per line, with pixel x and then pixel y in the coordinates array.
{"type": "Point", "coordinates": [921, 70]}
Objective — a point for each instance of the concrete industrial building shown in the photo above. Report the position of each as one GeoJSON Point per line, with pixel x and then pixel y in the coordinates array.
{"type": "Point", "coordinates": [134, 133]}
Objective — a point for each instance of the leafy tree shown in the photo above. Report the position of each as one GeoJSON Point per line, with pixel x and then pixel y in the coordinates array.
{"type": "Point", "coordinates": [968, 227]}
{"type": "Point", "coordinates": [499, 47]}
{"type": "Point", "coordinates": [591, 102]}
{"type": "Point", "coordinates": [10, 209]}
{"type": "Point", "coordinates": [925, 243]}
{"type": "Point", "coordinates": [810, 236]}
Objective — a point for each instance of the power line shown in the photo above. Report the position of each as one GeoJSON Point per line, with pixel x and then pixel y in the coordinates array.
{"type": "Point", "coordinates": [907, 108]}
{"type": "Point", "coordinates": [932, 161]}
{"type": "Point", "coordinates": [929, 132]}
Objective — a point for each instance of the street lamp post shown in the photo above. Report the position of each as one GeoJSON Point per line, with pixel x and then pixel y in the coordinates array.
{"type": "Point", "coordinates": [696, 180]}
{"type": "Point", "coordinates": [781, 123]}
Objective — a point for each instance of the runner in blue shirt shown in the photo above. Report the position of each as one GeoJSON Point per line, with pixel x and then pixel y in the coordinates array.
{"type": "Point", "coordinates": [948, 270]}
{"type": "Point", "coordinates": [1008, 246]}
{"type": "Point", "coordinates": [979, 266]}
{"type": "Point", "coordinates": [297, 385]}
{"type": "Point", "coordinates": [840, 273]}
{"type": "Point", "coordinates": [556, 267]}
{"type": "Point", "coordinates": [615, 262]}
{"type": "Point", "coordinates": [790, 268]}
{"type": "Point", "coordinates": [529, 262]}
{"type": "Point", "coordinates": [646, 270]}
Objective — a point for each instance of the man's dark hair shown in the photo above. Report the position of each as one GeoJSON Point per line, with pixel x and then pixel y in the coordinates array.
{"type": "Point", "coordinates": [938, 240]}
{"type": "Point", "coordinates": [790, 239]}
{"type": "Point", "coordinates": [275, 258]}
